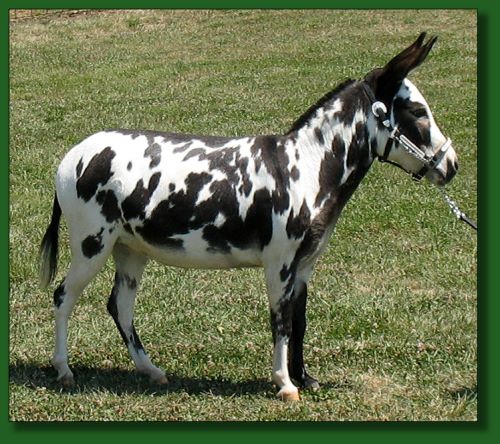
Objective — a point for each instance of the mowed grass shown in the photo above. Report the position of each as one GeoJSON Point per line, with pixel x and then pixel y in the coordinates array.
{"type": "Point", "coordinates": [392, 330]}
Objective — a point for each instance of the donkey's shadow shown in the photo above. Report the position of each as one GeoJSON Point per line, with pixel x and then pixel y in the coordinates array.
{"type": "Point", "coordinates": [120, 381]}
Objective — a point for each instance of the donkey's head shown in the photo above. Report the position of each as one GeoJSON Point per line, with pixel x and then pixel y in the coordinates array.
{"type": "Point", "coordinates": [410, 114]}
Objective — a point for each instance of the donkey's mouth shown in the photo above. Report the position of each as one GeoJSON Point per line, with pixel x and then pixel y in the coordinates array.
{"type": "Point", "coordinates": [441, 178]}
{"type": "Point", "coordinates": [437, 178]}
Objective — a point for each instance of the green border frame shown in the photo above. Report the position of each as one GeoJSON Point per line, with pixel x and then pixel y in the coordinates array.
{"type": "Point", "coordinates": [484, 430]}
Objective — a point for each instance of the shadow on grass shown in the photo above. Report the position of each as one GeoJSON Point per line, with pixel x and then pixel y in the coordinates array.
{"type": "Point", "coordinates": [119, 381]}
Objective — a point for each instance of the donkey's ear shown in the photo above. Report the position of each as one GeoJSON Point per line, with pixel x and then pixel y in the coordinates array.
{"type": "Point", "coordinates": [399, 67]}
{"type": "Point", "coordinates": [387, 80]}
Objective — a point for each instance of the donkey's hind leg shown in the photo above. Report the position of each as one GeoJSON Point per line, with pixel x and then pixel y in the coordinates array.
{"type": "Point", "coordinates": [84, 266]}
{"type": "Point", "coordinates": [129, 269]}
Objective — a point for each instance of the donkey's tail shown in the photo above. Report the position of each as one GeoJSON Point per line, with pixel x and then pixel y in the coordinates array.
{"type": "Point", "coordinates": [49, 247]}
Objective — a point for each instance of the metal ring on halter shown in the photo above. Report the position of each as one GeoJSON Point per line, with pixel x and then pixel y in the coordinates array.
{"type": "Point", "coordinates": [380, 111]}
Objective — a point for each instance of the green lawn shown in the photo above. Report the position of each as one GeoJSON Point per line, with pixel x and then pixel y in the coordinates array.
{"type": "Point", "coordinates": [392, 314]}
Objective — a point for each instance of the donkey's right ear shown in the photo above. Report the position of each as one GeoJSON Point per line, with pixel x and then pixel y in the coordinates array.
{"type": "Point", "coordinates": [386, 81]}
{"type": "Point", "coordinates": [408, 59]}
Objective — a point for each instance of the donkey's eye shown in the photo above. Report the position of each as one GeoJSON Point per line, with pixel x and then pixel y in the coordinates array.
{"type": "Point", "coordinates": [419, 112]}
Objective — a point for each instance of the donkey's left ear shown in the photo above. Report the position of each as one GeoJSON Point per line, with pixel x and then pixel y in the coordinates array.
{"type": "Point", "coordinates": [407, 60]}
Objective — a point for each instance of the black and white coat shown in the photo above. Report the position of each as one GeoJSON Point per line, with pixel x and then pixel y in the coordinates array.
{"type": "Point", "coordinates": [221, 202]}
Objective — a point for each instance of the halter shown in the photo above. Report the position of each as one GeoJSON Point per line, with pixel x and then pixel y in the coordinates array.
{"type": "Point", "coordinates": [428, 162]}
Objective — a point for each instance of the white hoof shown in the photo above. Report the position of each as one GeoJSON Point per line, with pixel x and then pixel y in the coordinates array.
{"type": "Point", "coordinates": [289, 394]}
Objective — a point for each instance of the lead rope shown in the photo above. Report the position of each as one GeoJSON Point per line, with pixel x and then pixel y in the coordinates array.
{"type": "Point", "coordinates": [459, 214]}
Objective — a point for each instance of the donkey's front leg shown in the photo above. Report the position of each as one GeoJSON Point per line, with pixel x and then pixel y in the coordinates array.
{"type": "Point", "coordinates": [281, 328]}
{"type": "Point", "coordinates": [280, 301]}
{"type": "Point", "coordinates": [296, 365]}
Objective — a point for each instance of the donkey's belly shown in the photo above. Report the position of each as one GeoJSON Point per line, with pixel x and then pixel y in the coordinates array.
{"type": "Point", "coordinates": [195, 253]}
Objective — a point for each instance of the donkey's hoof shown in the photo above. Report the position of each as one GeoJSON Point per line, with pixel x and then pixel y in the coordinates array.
{"type": "Point", "coordinates": [67, 380]}
{"type": "Point", "coordinates": [159, 380]}
{"type": "Point", "coordinates": [289, 395]}
{"type": "Point", "coordinates": [162, 380]}
{"type": "Point", "coordinates": [311, 384]}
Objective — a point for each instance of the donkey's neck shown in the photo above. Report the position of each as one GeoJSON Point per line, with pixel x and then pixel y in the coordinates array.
{"type": "Point", "coordinates": [337, 138]}
{"type": "Point", "coordinates": [344, 112]}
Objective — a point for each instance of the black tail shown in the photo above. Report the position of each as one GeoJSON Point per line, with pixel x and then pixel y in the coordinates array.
{"type": "Point", "coordinates": [49, 247]}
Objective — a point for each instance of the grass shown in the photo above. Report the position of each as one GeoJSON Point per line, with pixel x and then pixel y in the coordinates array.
{"type": "Point", "coordinates": [392, 314]}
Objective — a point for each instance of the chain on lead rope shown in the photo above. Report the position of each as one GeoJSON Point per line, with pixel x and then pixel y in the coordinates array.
{"type": "Point", "coordinates": [459, 214]}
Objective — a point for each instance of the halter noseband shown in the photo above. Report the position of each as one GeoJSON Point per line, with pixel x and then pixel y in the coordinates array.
{"type": "Point", "coordinates": [428, 162]}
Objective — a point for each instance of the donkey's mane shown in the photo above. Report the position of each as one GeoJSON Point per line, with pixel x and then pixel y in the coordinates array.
{"type": "Point", "coordinates": [311, 111]}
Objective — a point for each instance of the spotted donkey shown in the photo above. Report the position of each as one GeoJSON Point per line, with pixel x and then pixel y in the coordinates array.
{"type": "Point", "coordinates": [222, 202]}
